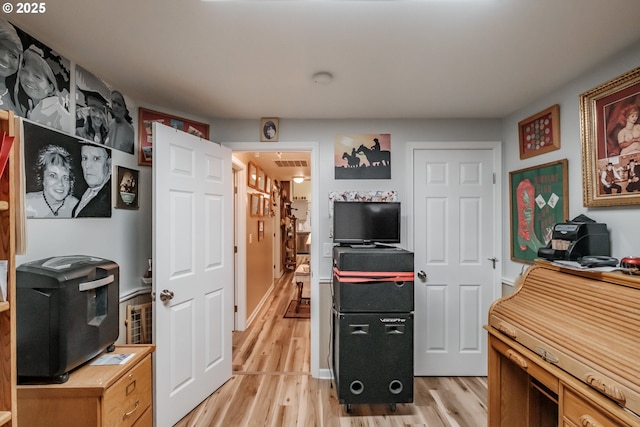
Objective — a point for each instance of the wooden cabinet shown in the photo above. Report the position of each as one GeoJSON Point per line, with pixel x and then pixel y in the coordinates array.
{"type": "Point", "coordinates": [8, 412]}
{"type": "Point", "coordinates": [94, 395]}
{"type": "Point", "coordinates": [563, 351]}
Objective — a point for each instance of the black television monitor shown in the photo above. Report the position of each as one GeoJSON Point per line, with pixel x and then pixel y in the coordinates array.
{"type": "Point", "coordinates": [364, 223]}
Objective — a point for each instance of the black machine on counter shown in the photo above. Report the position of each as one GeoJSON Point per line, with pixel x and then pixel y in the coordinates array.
{"type": "Point", "coordinates": [575, 239]}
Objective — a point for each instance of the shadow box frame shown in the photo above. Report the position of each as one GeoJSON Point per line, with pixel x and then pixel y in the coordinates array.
{"type": "Point", "coordinates": [145, 136]}
{"type": "Point", "coordinates": [546, 122]}
{"type": "Point", "coordinates": [602, 114]}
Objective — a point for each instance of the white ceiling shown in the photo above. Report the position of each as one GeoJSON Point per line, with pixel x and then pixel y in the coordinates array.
{"type": "Point", "coordinates": [389, 59]}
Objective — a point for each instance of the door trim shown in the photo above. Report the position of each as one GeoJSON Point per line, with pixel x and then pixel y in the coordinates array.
{"type": "Point", "coordinates": [240, 229]}
{"type": "Point", "coordinates": [313, 148]}
{"type": "Point", "coordinates": [496, 147]}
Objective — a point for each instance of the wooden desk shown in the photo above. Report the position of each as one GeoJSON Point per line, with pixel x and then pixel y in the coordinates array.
{"type": "Point", "coordinates": [96, 396]}
{"type": "Point", "coordinates": [563, 351]}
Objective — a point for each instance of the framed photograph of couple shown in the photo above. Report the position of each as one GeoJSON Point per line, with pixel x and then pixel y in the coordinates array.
{"type": "Point", "coordinates": [58, 182]}
{"type": "Point", "coordinates": [538, 200]}
{"type": "Point", "coordinates": [610, 133]}
{"type": "Point", "coordinates": [145, 131]}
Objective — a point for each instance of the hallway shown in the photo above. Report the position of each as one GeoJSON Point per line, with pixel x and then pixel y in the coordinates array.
{"type": "Point", "coordinates": [271, 384]}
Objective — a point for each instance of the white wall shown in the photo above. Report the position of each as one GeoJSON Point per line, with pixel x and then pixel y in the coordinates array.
{"type": "Point", "coordinates": [621, 221]}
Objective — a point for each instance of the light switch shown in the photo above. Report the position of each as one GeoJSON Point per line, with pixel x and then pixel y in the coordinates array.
{"type": "Point", "coordinates": [327, 250]}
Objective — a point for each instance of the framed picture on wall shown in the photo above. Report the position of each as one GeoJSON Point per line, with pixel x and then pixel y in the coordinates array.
{"type": "Point", "coordinates": [260, 183]}
{"type": "Point", "coordinates": [269, 129]}
{"type": "Point", "coordinates": [252, 176]}
{"type": "Point", "coordinates": [254, 205]}
{"type": "Point", "coordinates": [126, 188]}
{"type": "Point", "coordinates": [540, 133]}
{"type": "Point", "coordinates": [260, 230]}
{"type": "Point", "coordinates": [610, 132]}
{"type": "Point", "coordinates": [538, 201]}
{"type": "Point", "coordinates": [145, 131]}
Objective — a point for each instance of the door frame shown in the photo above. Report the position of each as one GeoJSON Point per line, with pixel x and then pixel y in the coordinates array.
{"type": "Point", "coordinates": [240, 257]}
{"type": "Point", "coordinates": [313, 148]}
{"type": "Point", "coordinates": [496, 147]}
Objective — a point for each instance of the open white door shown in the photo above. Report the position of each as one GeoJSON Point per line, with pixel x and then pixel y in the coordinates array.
{"type": "Point", "coordinates": [193, 271]}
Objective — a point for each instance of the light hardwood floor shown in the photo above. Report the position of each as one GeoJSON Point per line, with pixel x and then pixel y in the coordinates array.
{"type": "Point", "coordinates": [272, 386]}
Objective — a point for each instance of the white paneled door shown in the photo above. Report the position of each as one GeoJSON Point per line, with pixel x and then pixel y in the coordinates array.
{"type": "Point", "coordinates": [454, 216]}
{"type": "Point", "coordinates": [193, 271]}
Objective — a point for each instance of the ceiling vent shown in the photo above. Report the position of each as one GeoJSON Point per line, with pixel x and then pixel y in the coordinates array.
{"type": "Point", "coordinates": [291, 163]}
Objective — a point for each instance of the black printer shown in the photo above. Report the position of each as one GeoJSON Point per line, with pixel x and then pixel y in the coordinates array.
{"type": "Point", "coordinates": [577, 238]}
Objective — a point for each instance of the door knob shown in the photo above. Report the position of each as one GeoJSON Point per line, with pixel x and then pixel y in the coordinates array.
{"type": "Point", "coordinates": [166, 295]}
{"type": "Point", "coordinates": [422, 275]}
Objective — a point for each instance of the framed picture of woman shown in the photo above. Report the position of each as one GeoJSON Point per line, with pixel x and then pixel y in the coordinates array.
{"type": "Point", "coordinates": [610, 131]}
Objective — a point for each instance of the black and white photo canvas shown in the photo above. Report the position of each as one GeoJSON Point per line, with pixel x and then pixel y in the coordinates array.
{"type": "Point", "coordinates": [35, 83]}
{"type": "Point", "coordinates": [102, 115]}
{"type": "Point", "coordinates": [65, 177]}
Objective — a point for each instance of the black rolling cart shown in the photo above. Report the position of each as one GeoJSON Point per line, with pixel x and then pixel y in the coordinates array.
{"type": "Point", "coordinates": [372, 325]}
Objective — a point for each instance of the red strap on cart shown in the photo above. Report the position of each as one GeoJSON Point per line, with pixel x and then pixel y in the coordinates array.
{"type": "Point", "coordinates": [372, 276]}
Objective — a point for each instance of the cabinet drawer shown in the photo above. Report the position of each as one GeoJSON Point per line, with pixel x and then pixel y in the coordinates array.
{"type": "Point", "coordinates": [582, 413]}
{"type": "Point", "coordinates": [127, 399]}
{"type": "Point", "coordinates": [146, 420]}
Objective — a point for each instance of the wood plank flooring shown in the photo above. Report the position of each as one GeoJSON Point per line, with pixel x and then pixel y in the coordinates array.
{"type": "Point", "coordinates": [271, 385]}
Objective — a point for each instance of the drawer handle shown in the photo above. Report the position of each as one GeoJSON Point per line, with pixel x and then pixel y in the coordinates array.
{"type": "Point", "coordinates": [128, 414]}
{"type": "Point", "coordinates": [587, 421]}
{"type": "Point", "coordinates": [519, 360]}
{"type": "Point", "coordinates": [609, 389]}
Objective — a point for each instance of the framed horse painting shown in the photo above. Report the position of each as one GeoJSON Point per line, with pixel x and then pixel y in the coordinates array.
{"type": "Point", "coordinates": [362, 156]}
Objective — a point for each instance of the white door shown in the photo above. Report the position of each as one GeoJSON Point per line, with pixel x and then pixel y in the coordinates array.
{"type": "Point", "coordinates": [454, 217]}
{"type": "Point", "coordinates": [193, 271]}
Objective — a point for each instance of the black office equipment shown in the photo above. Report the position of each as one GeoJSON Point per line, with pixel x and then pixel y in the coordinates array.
{"type": "Point", "coordinates": [67, 313]}
{"type": "Point", "coordinates": [575, 239]}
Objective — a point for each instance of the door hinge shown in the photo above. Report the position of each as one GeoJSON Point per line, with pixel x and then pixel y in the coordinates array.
{"type": "Point", "coordinates": [494, 177]}
{"type": "Point", "coordinates": [235, 308]}
{"type": "Point", "coordinates": [235, 190]}
{"type": "Point", "coordinates": [235, 249]}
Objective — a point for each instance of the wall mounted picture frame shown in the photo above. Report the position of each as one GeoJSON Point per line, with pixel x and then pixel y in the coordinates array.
{"type": "Point", "coordinates": [269, 129]}
{"type": "Point", "coordinates": [265, 209]}
{"type": "Point", "coordinates": [362, 156]}
{"type": "Point", "coordinates": [126, 191]}
{"type": "Point", "coordinates": [254, 205]}
{"type": "Point", "coordinates": [261, 180]}
{"type": "Point", "coordinates": [610, 133]}
{"type": "Point", "coordinates": [260, 230]}
{"type": "Point", "coordinates": [540, 133]}
{"type": "Point", "coordinates": [145, 134]}
{"type": "Point", "coordinates": [538, 200]}
{"type": "Point", "coordinates": [252, 176]}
